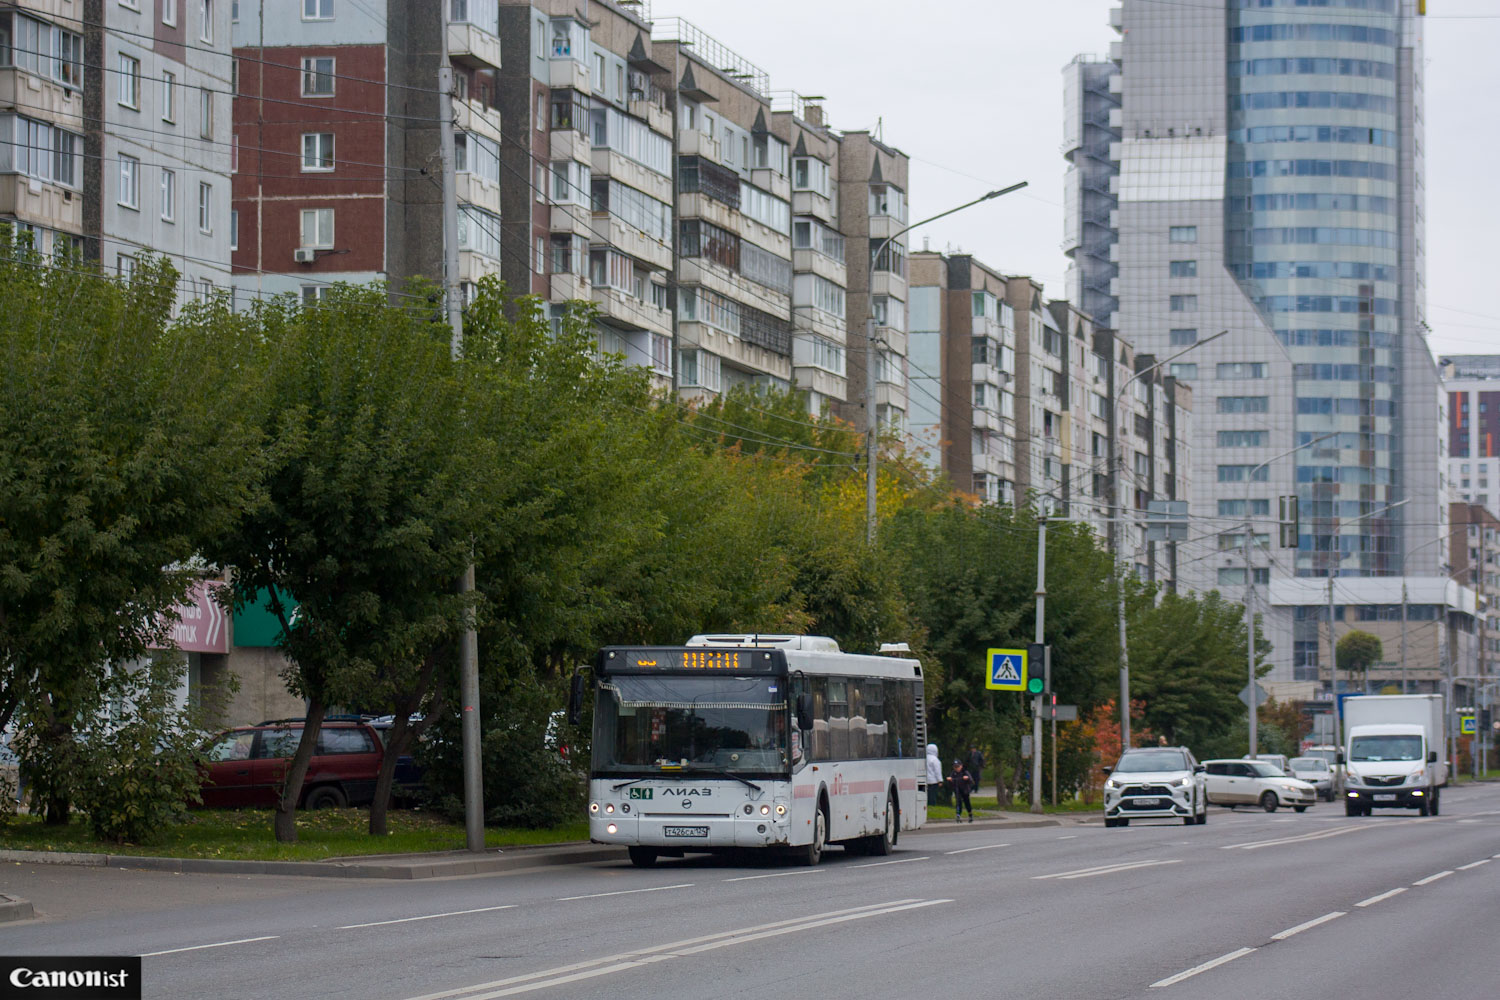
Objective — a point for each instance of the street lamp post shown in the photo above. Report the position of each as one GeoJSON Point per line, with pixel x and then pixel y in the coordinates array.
{"type": "Point", "coordinates": [1119, 511]}
{"type": "Point", "coordinates": [1404, 555]}
{"type": "Point", "coordinates": [1250, 586]}
{"type": "Point", "coordinates": [871, 426]}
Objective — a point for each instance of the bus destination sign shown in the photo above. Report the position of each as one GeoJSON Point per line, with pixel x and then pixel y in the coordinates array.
{"type": "Point", "coordinates": [724, 660]}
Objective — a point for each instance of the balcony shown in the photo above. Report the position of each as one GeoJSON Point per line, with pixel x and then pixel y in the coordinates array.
{"type": "Point", "coordinates": [574, 219]}
{"type": "Point", "coordinates": [885, 226]}
{"type": "Point", "coordinates": [894, 340]}
{"type": "Point", "coordinates": [813, 320]}
{"type": "Point", "coordinates": [888, 396]}
{"type": "Point", "coordinates": [567, 287]}
{"type": "Point", "coordinates": [40, 98]}
{"type": "Point", "coordinates": [471, 116]}
{"type": "Point", "coordinates": [40, 203]}
{"type": "Point", "coordinates": [570, 144]}
{"type": "Point", "coordinates": [821, 381]}
{"type": "Point", "coordinates": [814, 204]}
{"type": "Point", "coordinates": [630, 240]}
{"type": "Point", "coordinates": [700, 206]}
{"type": "Point", "coordinates": [630, 313]}
{"type": "Point", "coordinates": [654, 115]}
{"type": "Point", "coordinates": [985, 420]}
{"type": "Point", "coordinates": [470, 45]}
{"type": "Point", "coordinates": [474, 266]}
{"type": "Point", "coordinates": [568, 73]}
{"type": "Point", "coordinates": [610, 164]}
{"type": "Point", "coordinates": [812, 261]}
{"type": "Point", "coordinates": [769, 180]}
{"type": "Point", "coordinates": [694, 143]}
{"type": "Point", "coordinates": [888, 283]}
{"type": "Point", "coordinates": [477, 191]}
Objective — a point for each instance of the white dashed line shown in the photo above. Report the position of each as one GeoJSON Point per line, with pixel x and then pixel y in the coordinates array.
{"type": "Point", "coordinates": [1432, 878]}
{"type": "Point", "coordinates": [747, 878]}
{"type": "Point", "coordinates": [1384, 895]}
{"type": "Point", "coordinates": [986, 847]}
{"type": "Point", "coordinates": [1283, 935]}
{"type": "Point", "coordinates": [1106, 869]}
{"type": "Point", "coordinates": [625, 892]}
{"type": "Point", "coordinates": [1214, 964]}
{"type": "Point", "coordinates": [900, 861]}
{"type": "Point", "coordinates": [429, 916]}
{"type": "Point", "coordinates": [1071, 836]}
{"type": "Point", "coordinates": [1476, 864]}
{"type": "Point", "coordinates": [216, 944]}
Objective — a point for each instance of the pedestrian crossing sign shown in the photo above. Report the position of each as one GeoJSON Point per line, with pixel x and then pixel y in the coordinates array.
{"type": "Point", "coordinates": [1005, 670]}
{"type": "Point", "coordinates": [1467, 726]}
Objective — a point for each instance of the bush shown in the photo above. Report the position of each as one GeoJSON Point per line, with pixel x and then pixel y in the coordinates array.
{"type": "Point", "coordinates": [138, 772]}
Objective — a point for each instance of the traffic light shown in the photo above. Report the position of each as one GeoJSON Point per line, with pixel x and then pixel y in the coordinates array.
{"type": "Point", "coordinates": [1289, 522]}
{"type": "Point", "coordinates": [1033, 685]}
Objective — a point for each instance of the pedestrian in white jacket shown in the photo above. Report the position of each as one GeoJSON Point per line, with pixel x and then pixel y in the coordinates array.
{"type": "Point", "coordinates": [934, 774]}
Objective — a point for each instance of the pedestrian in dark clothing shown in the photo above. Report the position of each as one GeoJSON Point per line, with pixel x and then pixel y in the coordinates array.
{"type": "Point", "coordinates": [962, 784]}
{"type": "Point", "coordinates": [975, 764]}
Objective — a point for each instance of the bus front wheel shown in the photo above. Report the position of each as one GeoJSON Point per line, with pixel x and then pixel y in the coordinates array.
{"type": "Point", "coordinates": [884, 843]}
{"type": "Point", "coordinates": [642, 857]}
{"type": "Point", "coordinates": [813, 853]}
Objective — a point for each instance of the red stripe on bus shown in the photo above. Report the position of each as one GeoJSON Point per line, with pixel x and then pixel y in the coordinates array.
{"type": "Point", "coordinates": [804, 792]}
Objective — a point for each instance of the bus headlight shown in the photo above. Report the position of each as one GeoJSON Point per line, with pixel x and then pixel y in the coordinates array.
{"type": "Point", "coordinates": [593, 807]}
{"type": "Point", "coordinates": [611, 829]}
{"type": "Point", "coordinates": [609, 808]}
{"type": "Point", "coordinates": [765, 810]}
{"type": "Point", "coordinates": [780, 810]}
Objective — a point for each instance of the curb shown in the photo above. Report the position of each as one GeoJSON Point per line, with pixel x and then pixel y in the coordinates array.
{"type": "Point", "coordinates": [15, 908]}
{"type": "Point", "coordinates": [378, 866]}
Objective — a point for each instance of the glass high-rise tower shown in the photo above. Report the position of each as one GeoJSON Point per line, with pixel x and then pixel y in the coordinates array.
{"type": "Point", "coordinates": [1269, 183]}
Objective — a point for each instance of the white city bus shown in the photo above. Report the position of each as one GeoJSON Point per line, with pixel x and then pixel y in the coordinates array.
{"type": "Point", "coordinates": [755, 741]}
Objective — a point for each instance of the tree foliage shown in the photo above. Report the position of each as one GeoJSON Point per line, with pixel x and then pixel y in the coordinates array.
{"type": "Point", "coordinates": [1358, 651]}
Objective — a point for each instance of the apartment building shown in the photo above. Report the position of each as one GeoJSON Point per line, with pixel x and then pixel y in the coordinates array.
{"type": "Point", "coordinates": [337, 142]}
{"type": "Point", "coordinates": [1091, 111]}
{"type": "Point", "coordinates": [1471, 385]}
{"type": "Point", "coordinates": [116, 132]}
{"type": "Point", "coordinates": [1269, 184]}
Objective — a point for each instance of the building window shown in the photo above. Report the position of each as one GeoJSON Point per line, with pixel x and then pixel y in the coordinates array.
{"type": "Point", "coordinates": [234, 230]}
{"type": "Point", "coordinates": [168, 96]}
{"type": "Point", "coordinates": [1244, 473]}
{"type": "Point", "coordinates": [43, 151]}
{"type": "Point", "coordinates": [1236, 508]}
{"type": "Point", "coordinates": [125, 267]}
{"type": "Point", "coordinates": [1242, 369]}
{"type": "Point", "coordinates": [205, 207]}
{"type": "Point", "coordinates": [313, 294]}
{"type": "Point", "coordinates": [541, 38]}
{"type": "Point", "coordinates": [317, 151]}
{"type": "Point", "coordinates": [206, 21]}
{"type": "Point", "coordinates": [317, 76]}
{"type": "Point", "coordinates": [1183, 370]}
{"type": "Point", "coordinates": [130, 81]}
{"type": "Point", "coordinates": [1184, 268]}
{"type": "Point", "coordinates": [317, 228]}
{"type": "Point", "coordinates": [1234, 576]}
{"type": "Point", "coordinates": [317, 10]}
{"type": "Point", "coordinates": [130, 182]}
{"type": "Point", "coordinates": [1184, 337]}
{"type": "Point", "coordinates": [541, 256]}
{"type": "Point", "coordinates": [541, 112]}
{"type": "Point", "coordinates": [1183, 234]}
{"type": "Point", "coordinates": [1184, 303]}
{"type": "Point", "coordinates": [1242, 439]}
{"type": "Point", "coordinates": [169, 12]}
{"type": "Point", "coordinates": [168, 196]}
{"type": "Point", "coordinates": [205, 113]}
{"type": "Point", "coordinates": [1243, 404]}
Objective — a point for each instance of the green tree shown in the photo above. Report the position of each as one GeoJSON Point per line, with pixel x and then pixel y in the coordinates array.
{"type": "Point", "coordinates": [120, 451]}
{"type": "Point", "coordinates": [369, 507]}
{"type": "Point", "coordinates": [1358, 651]}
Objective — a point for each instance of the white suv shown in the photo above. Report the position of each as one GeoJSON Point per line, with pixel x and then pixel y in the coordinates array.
{"type": "Point", "coordinates": [1156, 783]}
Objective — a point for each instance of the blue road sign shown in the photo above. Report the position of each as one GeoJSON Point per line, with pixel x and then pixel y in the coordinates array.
{"type": "Point", "coordinates": [1005, 669]}
{"type": "Point", "coordinates": [1467, 725]}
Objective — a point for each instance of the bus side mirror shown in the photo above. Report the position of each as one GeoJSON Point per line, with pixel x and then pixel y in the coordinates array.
{"type": "Point", "coordinates": [804, 711]}
{"type": "Point", "coordinates": [575, 699]}
{"type": "Point", "coordinates": [1432, 756]}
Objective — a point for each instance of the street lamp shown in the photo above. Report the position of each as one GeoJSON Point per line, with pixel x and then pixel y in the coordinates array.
{"type": "Point", "coordinates": [1250, 584]}
{"type": "Point", "coordinates": [1114, 501]}
{"type": "Point", "coordinates": [871, 427]}
{"type": "Point", "coordinates": [1404, 555]}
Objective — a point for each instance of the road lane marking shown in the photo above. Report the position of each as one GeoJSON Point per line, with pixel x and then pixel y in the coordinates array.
{"type": "Point", "coordinates": [428, 916]}
{"type": "Point", "coordinates": [1384, 895]}
{"type": "Point", "coordinates": [1214, 964]}
{"type": "Point", "coordinates": [1432, 878]}
{"type": "Point", "coordinates": [1476, 864]}
{"type": "Point", "coordinates": [747, 878]}
{"type": "Point", "coordinates": [901, 861]}
{"type": "Point", "coordinates": [612, 964]}
{"type": "Point", "coordinates": [216, 944]}
{"type": "Point", "coordinates": [626, 892]}
{"type": "Point", "coordinates": [1071, 836]}
{"type": "Point", "coordinates": [1309, 925]}
{"type": "Point", "coordinates": [1124, 866]}
{"type": "Point", "coordinates": [1299, 839]}
{"type": "Point", "coordinates": [986, 847]}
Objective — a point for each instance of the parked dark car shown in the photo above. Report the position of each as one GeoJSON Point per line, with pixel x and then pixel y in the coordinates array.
{"type": "Point", "coordinates": [248, 765]}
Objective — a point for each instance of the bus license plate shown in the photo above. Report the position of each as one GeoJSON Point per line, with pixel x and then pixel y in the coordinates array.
{"type": "Point", "coordinates": [1385, 798]}
{"type": "Point", "coordinates": [686, 831]}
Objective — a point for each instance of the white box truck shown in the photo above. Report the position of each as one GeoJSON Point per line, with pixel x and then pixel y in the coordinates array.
{"type": "Point", "coordinates": [1394, 753]}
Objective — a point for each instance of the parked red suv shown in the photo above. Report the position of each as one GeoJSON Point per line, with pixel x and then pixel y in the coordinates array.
{"type": "Point", "coordinates": [247, 765]}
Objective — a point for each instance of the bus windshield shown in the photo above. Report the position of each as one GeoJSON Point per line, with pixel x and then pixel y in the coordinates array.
{"type": "Point", "coordinates": [670, 724]}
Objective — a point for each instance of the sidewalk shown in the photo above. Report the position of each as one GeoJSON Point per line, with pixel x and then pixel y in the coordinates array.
{"type": "Point", "coordinates": [446, 863]}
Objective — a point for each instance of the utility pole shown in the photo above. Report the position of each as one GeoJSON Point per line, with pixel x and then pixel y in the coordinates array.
{"type": "Point", "coordinates": [1036, 701]}
{"type": "Point", "coordinates": [872, 426]}
{"type": "Point", "coordinates": [468, 647]}
{"type": "Point", "coordinates": [1124, 658]}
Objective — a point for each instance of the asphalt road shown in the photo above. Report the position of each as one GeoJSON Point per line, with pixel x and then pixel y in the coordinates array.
{"type": "Point", "coordinates": [1250, 905]}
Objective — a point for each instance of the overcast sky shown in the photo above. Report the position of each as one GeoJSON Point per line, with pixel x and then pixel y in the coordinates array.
{"type": "Point", "coordinates": [972, 92]}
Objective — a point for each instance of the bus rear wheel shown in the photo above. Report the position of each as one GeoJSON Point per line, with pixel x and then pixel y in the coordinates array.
{"type": "Point", "coordinates": [642, 857]}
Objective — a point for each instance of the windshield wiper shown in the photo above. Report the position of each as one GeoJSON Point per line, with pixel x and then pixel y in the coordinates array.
{"type": "Point", "coordinates": [630, 782]}
{"type": "Point", "coordinates": [728, 774]}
